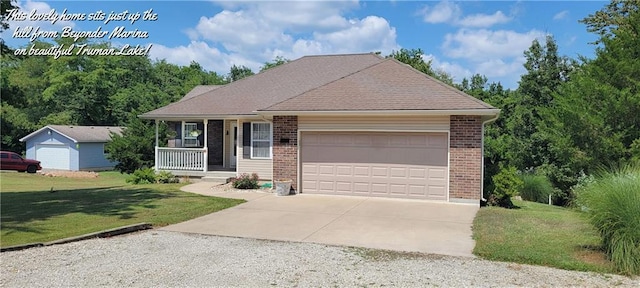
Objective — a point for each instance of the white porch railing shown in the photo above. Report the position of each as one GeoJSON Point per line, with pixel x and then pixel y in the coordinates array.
{"type": "Point", "coordinates": [189, 159]}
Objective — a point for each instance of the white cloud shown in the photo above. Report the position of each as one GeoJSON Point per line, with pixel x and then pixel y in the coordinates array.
{"type": "Point", "coordinates": [483, 44]}
{"type": "Point", "coordinates": [251, 33]}
{"type": "Point", "coordinates": [561, 15]}
{"type": "Point", "coordinates": [443, 12]}
{"type": "Point", "coordinates": [496, 54]}
{"type": "Point", "coordinates": [451, 13]}
{"type": "Point", "coordinates": [484, 20]}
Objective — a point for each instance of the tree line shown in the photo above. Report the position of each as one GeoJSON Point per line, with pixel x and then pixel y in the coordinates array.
{"type": "Point", "coordinates": [566, 119]}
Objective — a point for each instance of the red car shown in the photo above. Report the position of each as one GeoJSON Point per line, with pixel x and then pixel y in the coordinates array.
{"type": "Point", "coordinates": [13, 161]}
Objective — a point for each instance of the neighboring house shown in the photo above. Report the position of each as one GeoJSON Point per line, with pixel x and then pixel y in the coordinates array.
{"type": "Point", "coordinates": [71, 147]}
{"type": "Point", "coordinates": [352, 124]}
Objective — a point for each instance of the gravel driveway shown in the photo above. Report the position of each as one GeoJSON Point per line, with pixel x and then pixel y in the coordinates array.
{"type": "Point", "coordinates": [162, 258]}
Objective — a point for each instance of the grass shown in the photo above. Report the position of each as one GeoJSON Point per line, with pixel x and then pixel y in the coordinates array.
{"type": "Point", "coordinates": [539, 234]}
{"type": "Point", "coordinates": [612, 202]}
{"type": "Point", "coordinates": [536, 188]}
{"type": "Point", "coordinates": [31, 212]}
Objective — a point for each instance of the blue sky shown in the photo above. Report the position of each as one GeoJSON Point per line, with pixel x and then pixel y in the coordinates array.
{"type": "Point", "coordinates": [459, 37]}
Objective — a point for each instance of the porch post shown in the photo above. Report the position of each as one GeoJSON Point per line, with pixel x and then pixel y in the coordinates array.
{"type": "Point", "coordinates": [156, 147]}
{"type": "Point", "coordinates": [206, 145]}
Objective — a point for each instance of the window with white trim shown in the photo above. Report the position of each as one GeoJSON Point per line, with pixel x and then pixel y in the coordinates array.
{"type": "Point", "coordinates": [190, 135]}
{"type": "Point", "coordinates": [261, 140]}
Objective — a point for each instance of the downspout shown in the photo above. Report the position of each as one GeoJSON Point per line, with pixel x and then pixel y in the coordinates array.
{"type": "Point", "coordinates": [482, 159]}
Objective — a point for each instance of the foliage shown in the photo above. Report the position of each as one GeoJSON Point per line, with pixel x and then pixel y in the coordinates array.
{"type": "Point", "coordinates": [612, 202]}
{"type": "Point", "coordinates": [539, 234]}
{"type": "Point", "coordinates": [142, 176]}
{"type": "Point", "coordinates": [279, 60]}
{"type": "Point", "coordinates": [593, 120]}
{"type": "Point", "coordinates": [135, 148]}
{"type": "Point", "coordinates": [32, 213]}
{"type": "Point", "coordinates": [4, 6]}
{"type": "Point", "coordinates": [83, 90]}
{"type": "Point", "coordinates": [238, 72]}
{"type": "Point", "coordinates": [246, 181]}
{"type": "Point", "coordinates": [506, 185]}
{"type": "Point", "coordinates": [164, 177]}
{"type": "Point", "coordinates": [536, 187]}
{"type": "Point", "coordinates": [415, 59]}
{"type": "Point", "coordinates": [613, 16]}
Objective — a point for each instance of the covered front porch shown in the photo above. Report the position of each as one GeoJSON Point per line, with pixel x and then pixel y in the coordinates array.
{"type": "Point", "coordinates": [198, 148]}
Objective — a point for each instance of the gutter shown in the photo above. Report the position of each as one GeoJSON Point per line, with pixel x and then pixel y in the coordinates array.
{"type": "Point", "coordinates": [482, 112]}
{"type": "Point", "coordinates": [492, 119]}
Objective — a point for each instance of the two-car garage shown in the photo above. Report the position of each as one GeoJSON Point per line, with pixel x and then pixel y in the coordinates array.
{"type": "Point", "coordinates": [387, 164]}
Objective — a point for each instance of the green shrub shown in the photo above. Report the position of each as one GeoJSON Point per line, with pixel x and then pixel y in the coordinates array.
{"type": "Point", "coordinates": [506, 185]}
{"type": "Point", "coordinates": [246, 181]}
{"type": "Point", "coordinates": [536, 187]}
{"type": "Point", "coordinates": [142, 176]}
{"type": "Point", "coordinates": [166, 177]}
{"type": "Point", "coordinates": [612, 202]}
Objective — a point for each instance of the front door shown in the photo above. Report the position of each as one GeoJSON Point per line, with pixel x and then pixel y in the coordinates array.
{"type": "Point", "coordinates": [233, 144]}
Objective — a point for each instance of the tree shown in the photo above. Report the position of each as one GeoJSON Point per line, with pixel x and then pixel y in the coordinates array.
{"type": "Point", "coordinates": [546, 71]}
{"type": "Point", "coordinates": [595, 119]}
{"type": "Point", "coordinates": [279, 60]}
{"type": "Point", "coordinates": [5, 6]}
{"type": "Point", "coordinates": [135, 148]}
{"type": "Point", "coordinates": [238, 72]}
{"type": "Point", "coordinates": [614, 16]}
{"type": "Point", "coordinates": [413, 58]}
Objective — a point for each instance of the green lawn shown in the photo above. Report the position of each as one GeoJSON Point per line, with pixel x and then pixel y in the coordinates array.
{"type": "Point", "coordinates": [539, 234]}
{"type": "Point", "coordinates": [30, 212]}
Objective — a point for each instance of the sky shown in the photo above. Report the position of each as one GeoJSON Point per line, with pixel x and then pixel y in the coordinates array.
{"type": "Point", "coordinates": [461, 38]}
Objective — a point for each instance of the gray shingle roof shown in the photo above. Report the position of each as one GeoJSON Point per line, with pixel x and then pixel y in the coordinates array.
{"type": "Point", "coordinates": [200, 89]}
{"type": "Point", "coordinates": [245, 96]}
{"type": "Point", "coordinates": [354, 82]}
{"type": "Point", "coordinates": [81, 134]}
{"type": "Point", "coordinates": [388, 85]}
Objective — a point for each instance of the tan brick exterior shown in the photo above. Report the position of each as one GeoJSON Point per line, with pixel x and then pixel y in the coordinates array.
{"type": "Point", "coordinates": [465, 170]}
{"type": "Point", "coordinates": [285, 148]}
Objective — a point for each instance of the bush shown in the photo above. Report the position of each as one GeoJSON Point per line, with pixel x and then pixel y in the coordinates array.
{"type": "Point", "coordinates": [245, 181]}
{"type": "Point", "coordinates": [506, 185]}
{"type": "Point", "coordinates": [536, 188]}
{"type": "Point", "coordinates": [166, 177]}
{"type": "Point", "coordinates": [612, 202]}
{"type": "Point", "coordinates": [142, 176]}
{"type": "Point", "coordinates": [149, 176]}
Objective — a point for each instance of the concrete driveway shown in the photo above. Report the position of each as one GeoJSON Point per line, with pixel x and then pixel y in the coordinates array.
{"type": "Point", "coordinates": [393, 224]}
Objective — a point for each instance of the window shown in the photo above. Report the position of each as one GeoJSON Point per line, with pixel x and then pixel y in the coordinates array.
{"type": "Point", "coordinates": [260, 140]}
{"type": "Point", "coordinates": [191, 134]}
{"type": "Point", "coordinates": [4, 156]}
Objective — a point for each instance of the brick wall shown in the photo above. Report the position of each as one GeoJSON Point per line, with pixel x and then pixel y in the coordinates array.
{"type": "Point", "coordinates": [285, 148]}
{"type": "Point", "coordinates": [465, 171]}
{"type": "Point", "coordinates": [215, 141]}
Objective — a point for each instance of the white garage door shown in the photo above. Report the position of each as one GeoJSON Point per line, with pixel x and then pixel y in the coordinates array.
{"type": "Point", "coordinates": [403, 165]}
{"type": "Point", "coordinates": [53, 156]}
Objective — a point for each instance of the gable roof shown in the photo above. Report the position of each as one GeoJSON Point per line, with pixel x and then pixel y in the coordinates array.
{"type": "Point", "coordinates": [326, 83]}
{"type": "Point", "coordinates": [80, 134]}
{"type": "Point", "coordinates": [245, 96]}
{"type": "Point", "coordinates": [200, 89]}
{"type": "Point", "coordinates": [388, 85]}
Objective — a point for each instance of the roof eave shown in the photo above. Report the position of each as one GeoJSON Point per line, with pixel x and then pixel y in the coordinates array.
{"type": "Point", "coordinates": [481, 112]}
{"type": "Point", "coordinates": [174, 117]}
{"type": "Point", "coordinates": [25, 138]}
